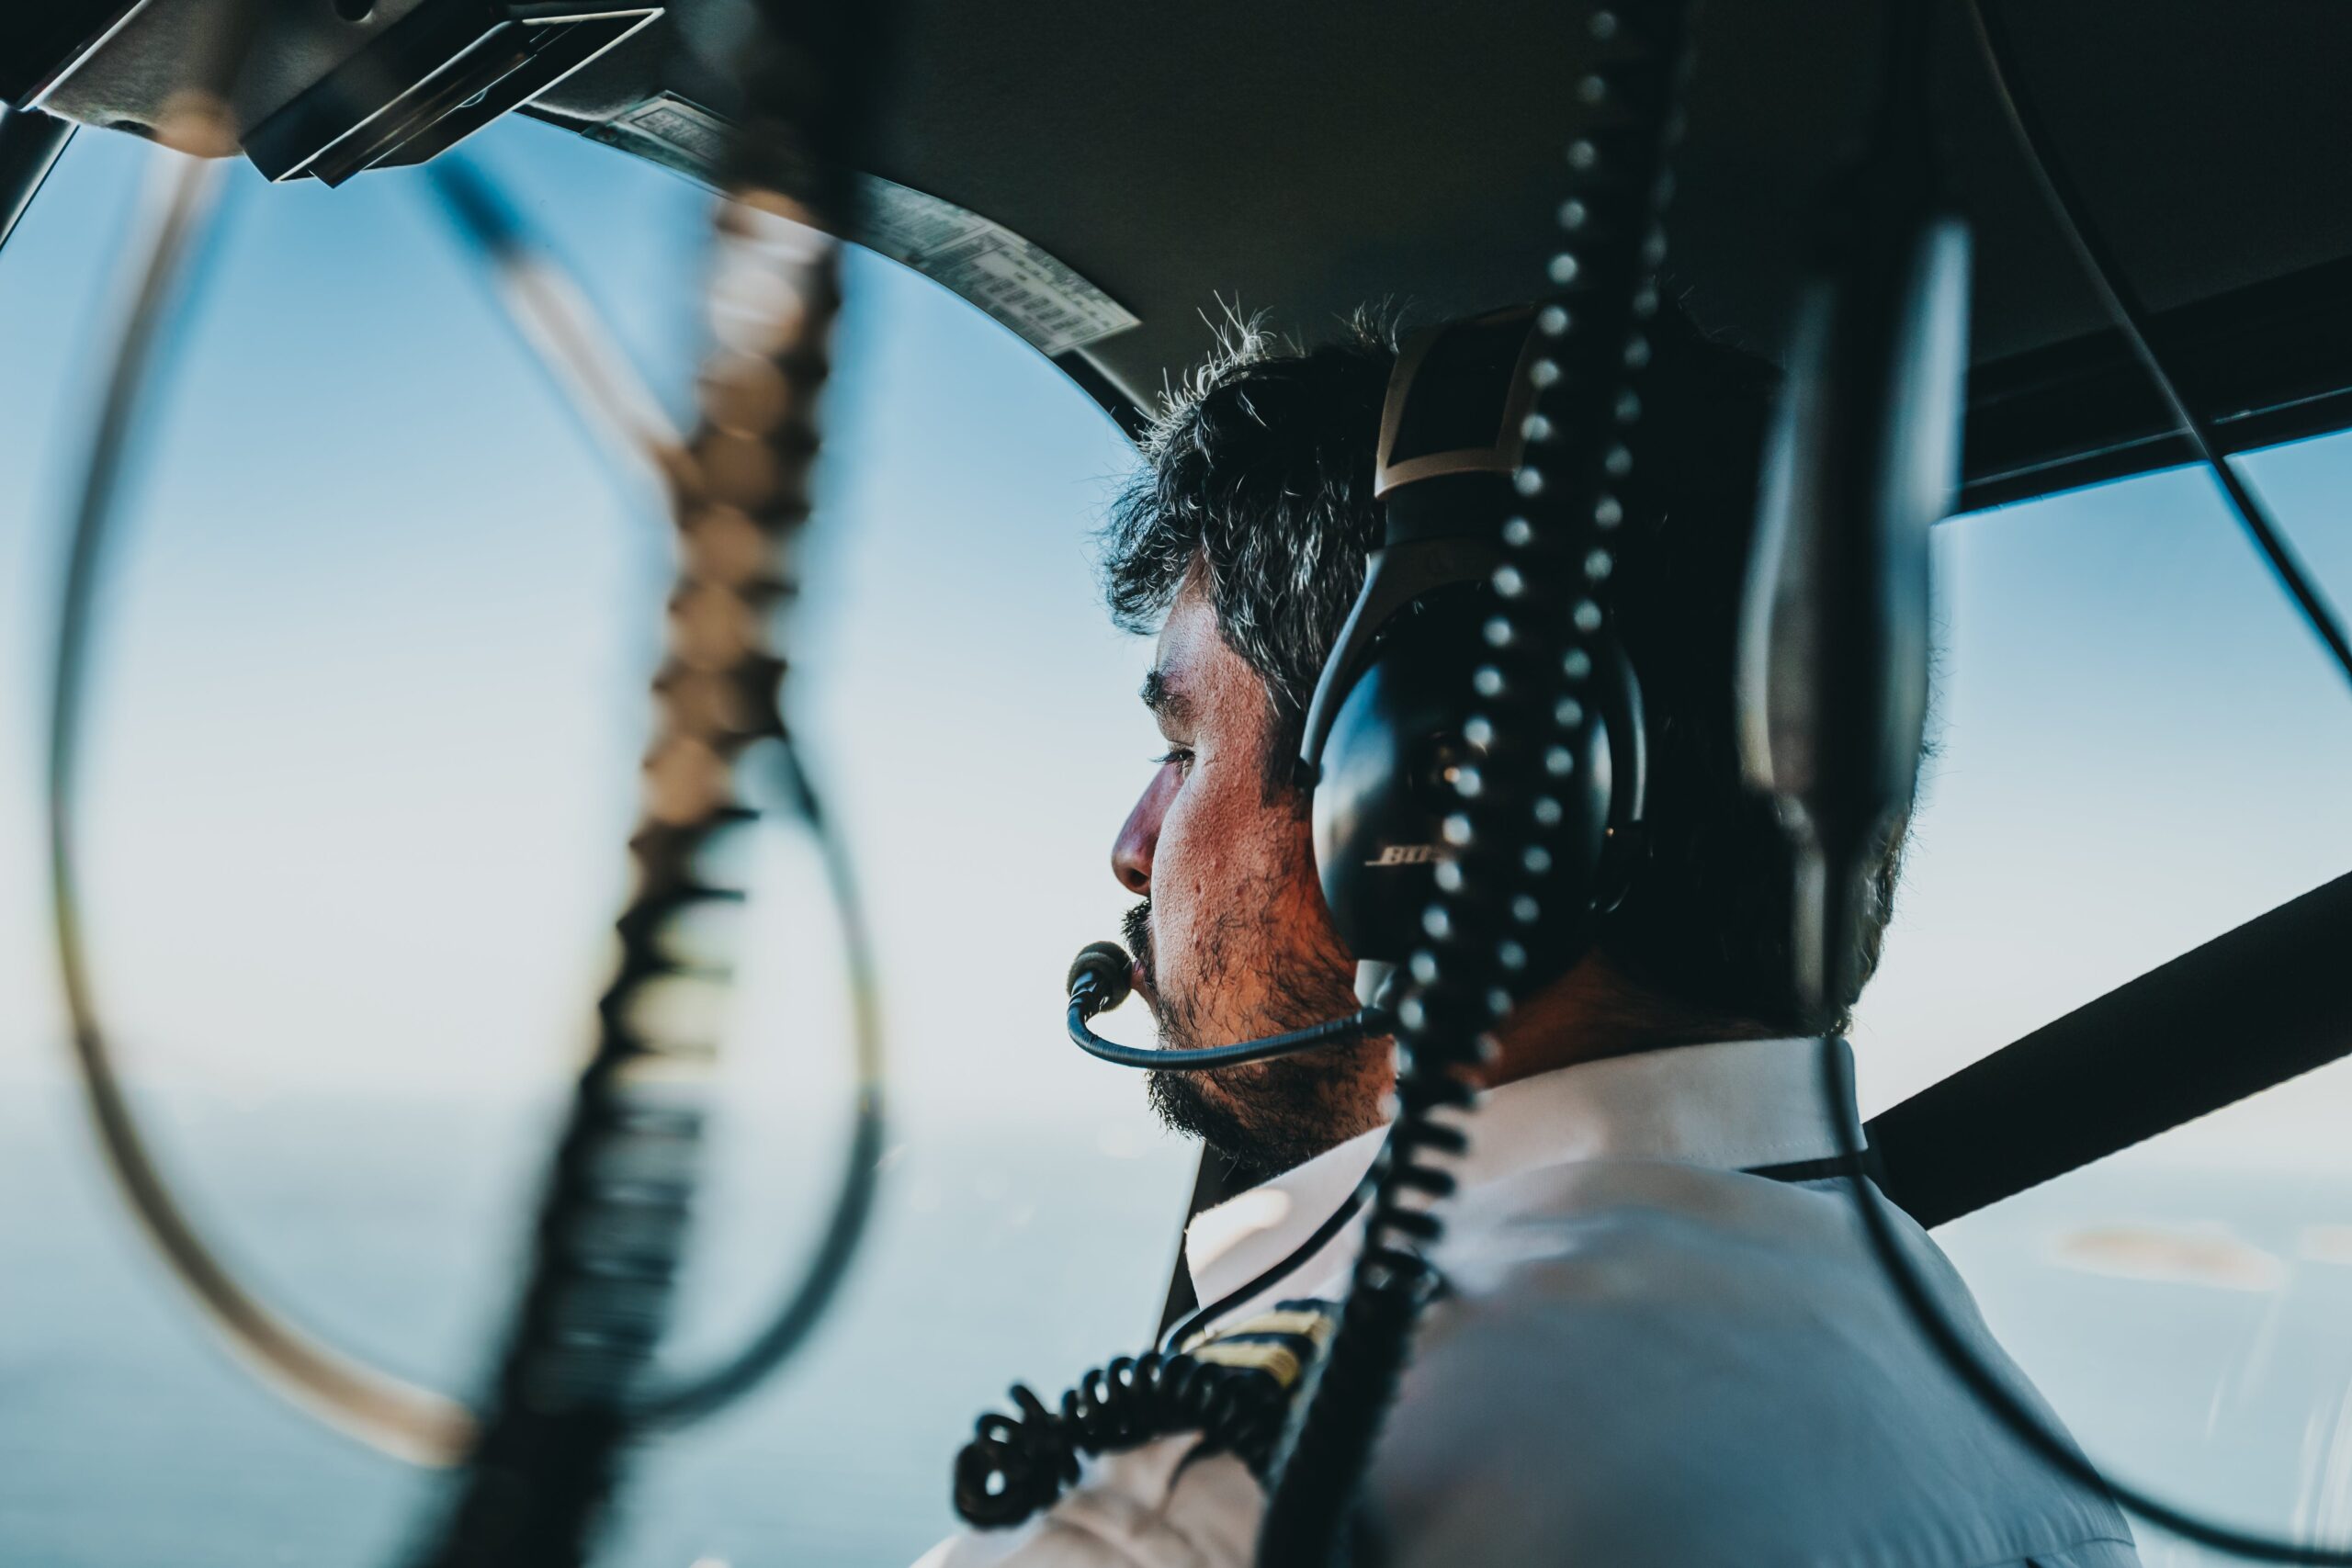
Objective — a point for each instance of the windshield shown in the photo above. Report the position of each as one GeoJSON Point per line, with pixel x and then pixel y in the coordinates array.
{"type": "Point", "coordinates": [2137, 748]}
{"type": "Point", "coordinates": [368, 712]}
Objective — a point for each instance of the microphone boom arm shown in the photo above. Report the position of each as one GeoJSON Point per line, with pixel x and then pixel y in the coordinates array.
{"type": "Point", "coordinates": [1098, 983]}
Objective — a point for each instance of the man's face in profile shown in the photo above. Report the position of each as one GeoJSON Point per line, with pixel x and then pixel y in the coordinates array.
{"type": "Point", "coordinates": [1234, 940]}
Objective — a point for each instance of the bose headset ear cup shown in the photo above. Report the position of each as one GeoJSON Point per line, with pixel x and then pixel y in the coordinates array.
{"type": "Point", "coordinates": [1388, 748]}
{"type": "Point", "coordinates": [1387, 779]}
{"type": "Point", "coordinates": [1393, 766]}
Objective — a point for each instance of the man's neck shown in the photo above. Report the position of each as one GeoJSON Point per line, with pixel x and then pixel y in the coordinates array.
{"type": "Point", "coordinates": [1596, 1010]}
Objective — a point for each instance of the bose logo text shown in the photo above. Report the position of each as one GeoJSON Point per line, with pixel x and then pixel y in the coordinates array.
{"type": "Point", "coordinates": [1405, 854]}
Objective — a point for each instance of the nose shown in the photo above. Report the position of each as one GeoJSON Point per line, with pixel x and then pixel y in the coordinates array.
{"type": "Point", "coordinates": [1139, 835]}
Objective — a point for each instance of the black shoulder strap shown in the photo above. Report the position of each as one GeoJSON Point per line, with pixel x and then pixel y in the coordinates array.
{"type": "Point", "coordinates": [2253, 1007]}
{"type": "Point", "coordinates": [1829, 1167]}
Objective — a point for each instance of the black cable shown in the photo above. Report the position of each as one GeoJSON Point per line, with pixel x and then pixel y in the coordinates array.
{"type": "Point", "coordinates": [1017, 1464]}
{"type": "Point", "coordinates": [1365, 1023]}
{"type": "Point", "coordinates": [1987, 1387]}
{"type": "Point", "coordinates": [1547, 640]}
{"type": "Point", "coordinates": [1266, 1280]}
{"type": "Point", "coordinates": [1831, 885]}
{"type": "Point", "coordinates": [2106, 275]}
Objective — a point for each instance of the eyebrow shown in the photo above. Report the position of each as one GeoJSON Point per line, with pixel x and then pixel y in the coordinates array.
{"type": "Point", "coordinates": [1170, 705]}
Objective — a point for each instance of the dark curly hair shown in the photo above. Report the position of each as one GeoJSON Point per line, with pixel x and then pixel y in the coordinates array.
{"type": "Point", "coordinates": [1260, 469]}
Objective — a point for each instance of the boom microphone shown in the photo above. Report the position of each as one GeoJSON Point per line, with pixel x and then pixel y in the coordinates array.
{"type": "Point", "coordinates": [1100, 978]}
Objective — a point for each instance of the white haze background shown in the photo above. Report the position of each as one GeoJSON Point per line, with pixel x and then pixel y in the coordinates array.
{"type": "Point", "coordinates": [366, 720]}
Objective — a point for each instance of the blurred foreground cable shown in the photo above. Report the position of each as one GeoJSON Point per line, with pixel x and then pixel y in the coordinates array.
{"type": "Point", "coordinates": [613, 1220]}
{"type": "Point", "coordinates": [554, 317]}
{"type": "Point", "coordinates": [375, 1406]}
{"type": "Point", "coordinates": [369, 1405]}
{"type": "Point", "coordinates": [624, 1172]}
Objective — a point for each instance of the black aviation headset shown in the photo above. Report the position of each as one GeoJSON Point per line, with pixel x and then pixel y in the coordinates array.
{"type": "Point", "coordinates": [1391, 747]}
{"type": "Point", "coordinates": [1388, 749]}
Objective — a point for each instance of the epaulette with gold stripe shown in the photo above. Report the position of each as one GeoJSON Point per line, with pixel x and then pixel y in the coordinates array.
{"type": "Point", "coordinates": [1283, 1342]}
{"type": "Point", "coordinates": [1232, 1385]}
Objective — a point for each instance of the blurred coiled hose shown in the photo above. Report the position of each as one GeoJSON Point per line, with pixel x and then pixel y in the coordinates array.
{"type": "Point", "coordinates": [613, 1218]}
{"type": "Point", "coordinates": [1545, 647]}
{"type": "Point", "coordinates": [613, 1221]}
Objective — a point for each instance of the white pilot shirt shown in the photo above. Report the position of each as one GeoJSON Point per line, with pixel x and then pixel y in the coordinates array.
{"type": "Point", "coordinates": [1645, 1359]}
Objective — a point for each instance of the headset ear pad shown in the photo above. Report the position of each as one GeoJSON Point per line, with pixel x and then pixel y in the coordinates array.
{"type": "Point", "coordinates": [1388, 781]}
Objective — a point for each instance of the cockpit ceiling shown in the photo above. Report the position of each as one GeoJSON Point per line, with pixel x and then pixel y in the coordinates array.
{"type": "Point", "coordinates": [1304, 159]}
{"type": "Point", "coordinates": [1201, 159]}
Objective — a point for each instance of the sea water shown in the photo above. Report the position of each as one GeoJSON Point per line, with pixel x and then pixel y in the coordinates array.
{"type": "Point", "coordinates": [2191, 1327]}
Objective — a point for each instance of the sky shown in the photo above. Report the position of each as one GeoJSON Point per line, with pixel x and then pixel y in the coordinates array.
{"type": "Point", "coordinates": [369, 689]}
{"type": "Point", "coordinates": [368, 699]}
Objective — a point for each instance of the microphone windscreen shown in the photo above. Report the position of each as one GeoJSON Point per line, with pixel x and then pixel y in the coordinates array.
{"type": "Point", "coordinates": [1109, 965]}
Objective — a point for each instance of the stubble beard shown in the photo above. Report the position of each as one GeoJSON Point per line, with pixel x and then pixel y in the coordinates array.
{"type": "Point", "coordinates": [1265, 1116]}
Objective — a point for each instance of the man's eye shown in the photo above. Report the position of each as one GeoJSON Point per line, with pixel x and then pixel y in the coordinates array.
{"type": "Point", "coordinates": [1179, 755]}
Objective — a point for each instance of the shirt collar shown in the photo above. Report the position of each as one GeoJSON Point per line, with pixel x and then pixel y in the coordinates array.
{"type": "Point", "coordinates": [1730, 1105]}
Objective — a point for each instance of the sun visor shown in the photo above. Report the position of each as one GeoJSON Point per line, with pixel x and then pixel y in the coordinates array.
{"type": "Point", "coordinates": [324, 90]}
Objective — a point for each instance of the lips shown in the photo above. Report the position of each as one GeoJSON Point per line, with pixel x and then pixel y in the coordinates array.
{"type": "Point", "coordinates": [1136, 926]}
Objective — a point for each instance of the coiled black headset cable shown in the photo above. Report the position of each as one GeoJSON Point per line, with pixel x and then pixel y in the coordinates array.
{"type": "Point", "coordinates": [1017, 1463]}
{"type": "Point", "coordinates": [1546, 643]}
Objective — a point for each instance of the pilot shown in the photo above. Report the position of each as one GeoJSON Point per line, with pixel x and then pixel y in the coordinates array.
{"type": "Point", "coordinates": [1663, 1340]}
